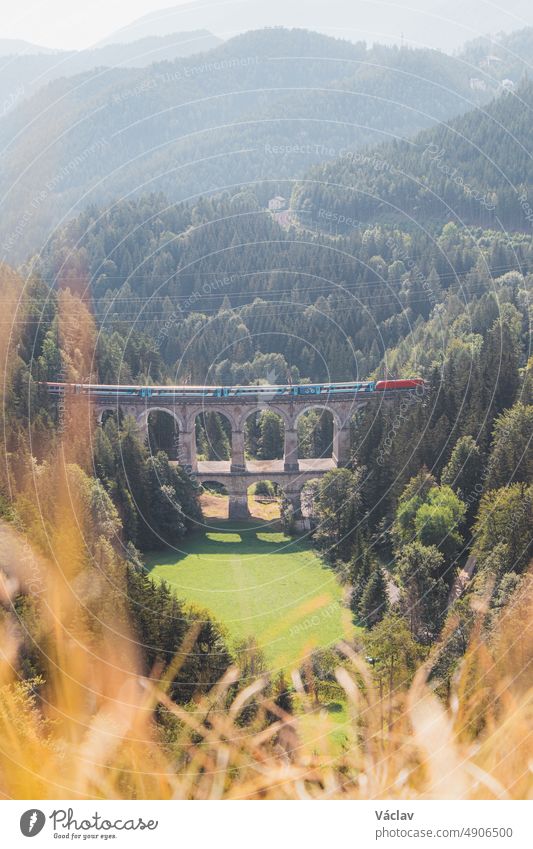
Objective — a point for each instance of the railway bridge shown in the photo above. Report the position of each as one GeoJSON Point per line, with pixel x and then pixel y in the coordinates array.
{"type": "Point", "coordinates": [237, 474]}
{"type": "Point", "coordinates": [184, 405]}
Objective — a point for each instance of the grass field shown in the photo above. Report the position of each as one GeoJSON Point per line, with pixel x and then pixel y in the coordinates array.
{"type": "Point", "coordinates": [258, 582]}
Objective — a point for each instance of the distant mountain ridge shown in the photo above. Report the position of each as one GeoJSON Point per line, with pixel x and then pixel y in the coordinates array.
{"type": "Point", "coordinates": [25, 71]}
{"type": "Point", "coordinates": [17, 46]}
{"type": "Point", "coordinates": [420, 23]}
{"type": "Point", "coordinates": [264, 106]}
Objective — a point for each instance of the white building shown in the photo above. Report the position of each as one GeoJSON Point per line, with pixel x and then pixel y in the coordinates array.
{"type": "Point", "coordinates": [507, 85]}
{"type": "Point", "coordinates": [277, 203]}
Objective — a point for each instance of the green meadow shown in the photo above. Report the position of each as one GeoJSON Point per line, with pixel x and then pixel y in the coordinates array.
{"type": "Point", "coordinates": [259, 583]}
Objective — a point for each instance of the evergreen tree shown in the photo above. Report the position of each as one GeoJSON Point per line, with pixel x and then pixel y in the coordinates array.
{"type": "Point", "coordinates": [337, 511]}
{"type": "Point", "coordinates": [424, 590]}
{"type": "Point", "coordinates": [271, 436]}
{"type": "Point", "coordinates": [362, 565]}
{"type": "Point", "coordinates": [162, 624]}
{"type": "Point", "coordinates": [217, 431]}
{"type": "Point", "coordinates": [374, 600]}
{"type": "Point", "coordinates": [511, 455]}
{"type": "Point", "coordinates": [252, 435]}
{"type": "Point", "coordinates": [504, 522]}
{"type": "Point", "coordinates": [464, 473]}
{"type": "Point", "coordinates": [500, 359]}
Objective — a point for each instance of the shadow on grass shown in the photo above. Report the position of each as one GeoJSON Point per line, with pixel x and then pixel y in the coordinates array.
{"type": "Point", "coordinates": [228, 538]}
{"type": "Point", "coordinates": [334, 707]}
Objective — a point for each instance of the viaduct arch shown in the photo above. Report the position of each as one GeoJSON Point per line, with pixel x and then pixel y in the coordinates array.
{"type": "Point", "coordinates": [238, 474]}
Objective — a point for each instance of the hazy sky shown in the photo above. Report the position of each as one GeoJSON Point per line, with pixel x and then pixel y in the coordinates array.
{"type": "Point", "coordinates": [82, 23]}
{"type": "Point", "coordinates": [71, 23]}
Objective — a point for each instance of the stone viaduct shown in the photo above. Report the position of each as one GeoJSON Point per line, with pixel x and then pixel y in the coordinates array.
{"type": "Point", "coordinates": [237, 474]}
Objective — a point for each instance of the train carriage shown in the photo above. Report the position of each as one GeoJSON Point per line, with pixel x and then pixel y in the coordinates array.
{"type": "Point", "coordinates": [254, 391]}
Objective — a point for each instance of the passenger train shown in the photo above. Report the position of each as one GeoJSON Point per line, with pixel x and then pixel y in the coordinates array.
{"type": "Point", "coordinates": [255, 391]}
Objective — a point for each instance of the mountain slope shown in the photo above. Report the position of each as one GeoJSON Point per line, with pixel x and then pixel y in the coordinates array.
{"type": "Point", "coordinates": [263, 107]}
{"type": "Point", "coordinates": [504, 57]}
{"type": "Point", "coordinates": [27, 70]}
{"type": "Point", "coordinates": [19, 47]}
{"type": "Point", "coordinates": [478, 169]}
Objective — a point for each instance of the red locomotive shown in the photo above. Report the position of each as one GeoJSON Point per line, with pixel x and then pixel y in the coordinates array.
{"type": "Point", "coordinates": [389, 385]}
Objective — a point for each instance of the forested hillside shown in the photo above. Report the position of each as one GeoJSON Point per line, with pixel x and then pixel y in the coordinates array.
{"type": "Point", "coordinates": [475, 170]}
{"type": "Point", "coordinates": [506, 56]}
{"type": "Point", "coordinates": [263, 106]}
{"type": "Point", "coordinates": [212, 284]}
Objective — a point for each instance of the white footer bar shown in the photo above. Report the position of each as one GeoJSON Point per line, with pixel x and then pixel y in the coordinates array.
{"type": "Point", "coordinates": [268, 825]}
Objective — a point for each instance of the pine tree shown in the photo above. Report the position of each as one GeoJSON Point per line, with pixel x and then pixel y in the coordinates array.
{"type": "Point", "coordinates": [361, 567]}
{"type": "Point", "coordinates": [374, 600]}
{"type": "Point", "coordinates": [271, 438]}
{"type": "Point", "coordinates": [337, 506]}
{"type": "Point", "coordinates": [500, 366]}
{"type": "Point", "coordinates": [424, 591]}
{"type": "Point", "coordinates": [218, 443]}
{"type": "Point", "coordinates": [464, 473]}
{"type": "Point", "coordinates": [511, 456]}
{"type": "Point", "coordinates": [252, 435]}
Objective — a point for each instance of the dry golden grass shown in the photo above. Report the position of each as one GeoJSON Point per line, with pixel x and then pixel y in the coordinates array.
{"type": "Point", "coordinates": [267, 509]}
{"type": "Point", "coordinates": [93, 732]}
{"type": "Point", "coordinates": [214, 506]}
